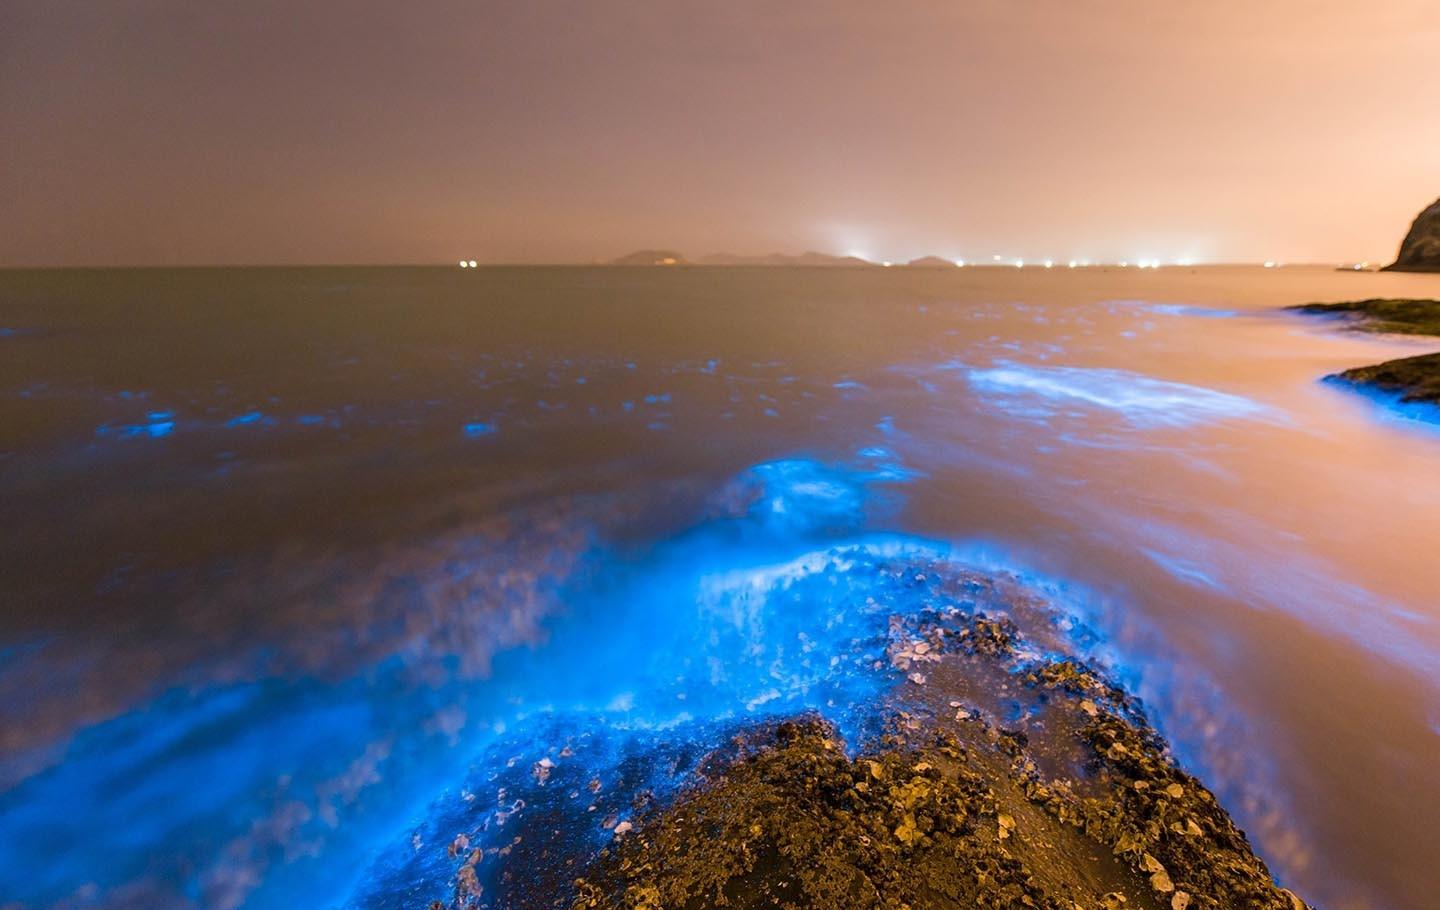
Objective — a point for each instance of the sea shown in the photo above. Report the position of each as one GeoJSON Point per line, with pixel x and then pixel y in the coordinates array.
{"type": "Point", "coordinates": [300, 565]}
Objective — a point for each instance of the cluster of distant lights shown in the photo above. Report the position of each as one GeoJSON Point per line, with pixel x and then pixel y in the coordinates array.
{"type": "Point", "coordinates": [1074, 263]}
{"type": "Point", "coordinates": [1047, 263]}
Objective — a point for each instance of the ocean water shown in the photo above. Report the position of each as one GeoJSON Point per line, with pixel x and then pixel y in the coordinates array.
{"type": "Point", "coordinates": [303, 566]}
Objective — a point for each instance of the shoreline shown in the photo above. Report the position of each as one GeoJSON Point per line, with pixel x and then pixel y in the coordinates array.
{"type": "Point", "coordinates": [994, 771]}
{"type": "Point", "coordinates": [1412, 382]}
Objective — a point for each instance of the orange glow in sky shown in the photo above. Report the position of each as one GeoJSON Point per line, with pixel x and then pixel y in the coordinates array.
{"type": "Point", "coordinates": [172, 132]}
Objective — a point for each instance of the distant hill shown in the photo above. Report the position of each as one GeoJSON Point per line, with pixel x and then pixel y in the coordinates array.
{"type": "Point", "coordinates": [781, 259]}
{"type": "Point", "coordinates": [1420, 252]}
{"type": "Point", "coordinates": [808, 259]}
{"type": "Point", "coordinates": [651, 257]}
{"type": "Point", "coordinates": [930, 262]}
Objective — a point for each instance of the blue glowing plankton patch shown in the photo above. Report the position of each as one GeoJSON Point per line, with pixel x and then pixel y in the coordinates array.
{"type": "Point", "coordinates": [1142, 401]}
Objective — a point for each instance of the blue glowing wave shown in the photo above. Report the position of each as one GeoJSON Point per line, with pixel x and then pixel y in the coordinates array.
{"type": "Point", "coordinates": [240, 794]}
{"type": "Point", "coordinates": [306, 788]}
{"type": "Point", "coordinates": [1142, 401]}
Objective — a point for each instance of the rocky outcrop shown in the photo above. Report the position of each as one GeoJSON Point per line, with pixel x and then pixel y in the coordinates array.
{"type": "Point", "coordinates": [1421, 250]}
{"type": "Point", "coordinates": [1410, 380]}
{"type": "Point", "coordinates": [986, 769]}
{"type": "Point", "coordinates": [1388, 316]}
{"type": "Point", "coordinates": [951, 809]}
{"type": "Point", "coordinates": [1407, 381]}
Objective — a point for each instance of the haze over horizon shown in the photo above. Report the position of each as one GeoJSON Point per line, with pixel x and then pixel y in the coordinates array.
{"type": "Point", "coordinates": [153, 133]}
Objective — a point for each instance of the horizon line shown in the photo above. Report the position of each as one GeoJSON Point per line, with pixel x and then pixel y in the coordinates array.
{"type": "Point", "coordinates": [1013, 264]}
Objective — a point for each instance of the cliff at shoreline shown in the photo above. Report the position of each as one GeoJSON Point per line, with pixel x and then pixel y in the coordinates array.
{"type": "Point", "coordinates": [1420, 251]}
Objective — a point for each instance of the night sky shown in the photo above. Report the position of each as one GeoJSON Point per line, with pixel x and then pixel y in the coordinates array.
{"type": "Point", "coordinates": [543, 131]}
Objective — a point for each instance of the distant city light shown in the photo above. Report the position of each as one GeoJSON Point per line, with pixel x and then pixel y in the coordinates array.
{"type": "Point", "coordinates": [1049, 263]}
{"type": "Point", "coordinates": [887, 263]}
{"type": "Point", "coordinates": [1019, 263]}
{"type": "Point", "coordinates": [1073, 263]}
{"type": "Point", "coordinates": [997, 258]}
{"type": "Point", "coordinates": [1270, 264]}
{"type": "Point", "coordinates": [960, 263]}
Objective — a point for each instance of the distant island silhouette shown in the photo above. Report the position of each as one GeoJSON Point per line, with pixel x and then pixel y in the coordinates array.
{"type": "Point", "coordinates": [671, 257]}
{"type": "Point", "coordinates": [930, 262]}
{"type": "Point", "coordinates": [651, 257]}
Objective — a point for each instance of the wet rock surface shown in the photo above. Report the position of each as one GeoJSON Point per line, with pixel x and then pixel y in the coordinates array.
{"type": "Point", "coordinates": [1415, 380]}
{"type": "Point", "coordinates": [1411, 380]}
{"type": "Point", "coordinates": [1397, 316]}
{"type": "Point", "coordinates": [998, 772]}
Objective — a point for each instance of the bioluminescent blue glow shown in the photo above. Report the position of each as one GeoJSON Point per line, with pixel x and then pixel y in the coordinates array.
{"type": "Point", "coordinates": [1293, 582]}
{"type": "Point", "coordinates": [249, 418]}
{"type": "Point", "coordinates": [1177, 309]}
{"type": "Point", "coordinates": [1171, 309]}
{"type": "Point", "coordinates": [777, 609]}
{"type": "Point", "coordinates": [1182, 569]}
{"type": "Point", "coordinates": [1391, 405]}
{"type": "Point", "coordinates": [601, 564]}
{"type": "Point", "coordinates": [1142, 401]}
{"type": "Point", "coordinates": [157, 425]}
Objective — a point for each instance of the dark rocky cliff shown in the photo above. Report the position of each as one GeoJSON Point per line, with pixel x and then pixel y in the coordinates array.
{"type": "Point", "coordinates": [1421, 250]}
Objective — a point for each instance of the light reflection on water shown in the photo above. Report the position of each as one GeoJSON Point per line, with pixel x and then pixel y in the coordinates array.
{"type": "Point", "coordinates": [287, 560]}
